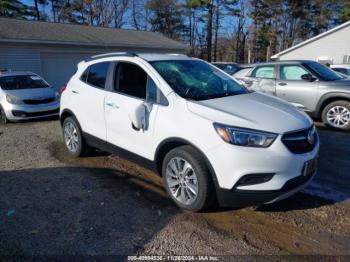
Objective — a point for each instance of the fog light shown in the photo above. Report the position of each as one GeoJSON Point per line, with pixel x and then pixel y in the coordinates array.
{"type": "Point", "coordinates": [19, 113]}
{"type": "Point", "coordinates": [253, 179]}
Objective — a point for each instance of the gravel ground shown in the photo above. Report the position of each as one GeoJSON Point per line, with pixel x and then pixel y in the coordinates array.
{"type": "Point", "coordinates": [51, 204]}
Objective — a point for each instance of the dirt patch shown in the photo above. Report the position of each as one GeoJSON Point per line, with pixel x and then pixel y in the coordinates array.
{"type": "Point", "coordinates": [51, 203]}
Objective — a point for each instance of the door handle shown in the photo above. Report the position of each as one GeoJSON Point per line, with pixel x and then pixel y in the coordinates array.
{"type": "Point", "coordinates": [110, 104]}
{"type": "Point", "coordinates": [282, 84]}
{"type": "Point", "coordinates": [75, 92]}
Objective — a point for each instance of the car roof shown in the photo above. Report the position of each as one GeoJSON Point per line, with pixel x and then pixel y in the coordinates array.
{"type": "Point", "coordinates": [146, 56]}
{"type": "Point", "coordinates": [224, 63]}
{"type": "Point", "coordinates": [16, 73]}
{"type": "Point", "coordinates": [157, 57]}
{"type": "Point", "coordinates": [276, 63]}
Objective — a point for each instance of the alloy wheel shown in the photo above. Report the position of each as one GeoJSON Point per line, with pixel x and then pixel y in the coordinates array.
{"type": "Point", "coordinates": [71, 137]}
{"type": "Point", "coordinates": [182, 180]}
{"type": "Point", "coordinates": [338, 116]}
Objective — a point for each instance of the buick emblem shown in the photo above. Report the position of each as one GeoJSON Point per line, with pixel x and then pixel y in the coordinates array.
{"type": "Point", "coordinates": [311, 137]}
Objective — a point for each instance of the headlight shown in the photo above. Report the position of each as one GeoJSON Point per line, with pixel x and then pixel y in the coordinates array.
{"type": "Point", "coordinates": [57, 95]}
{"type": "Point", "coordinates": [13, 100]}
{"type": "Point", "coordinates": [244, 137]}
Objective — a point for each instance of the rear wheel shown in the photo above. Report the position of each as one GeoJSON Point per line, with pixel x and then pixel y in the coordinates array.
{"type": "Point", "coordinates": [187, 179]}
{"type": "Point", "coordinates": [337, 115]}
{"type": "Point", "coordinates": [73, 138]}
{"type": "Point", "coordinates": [3, 118]}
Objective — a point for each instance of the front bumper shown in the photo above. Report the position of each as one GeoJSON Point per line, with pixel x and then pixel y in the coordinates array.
{"type": "Point", "coordinates": [283, 171]}
{"type": "Point", "coordinates": [245, 198]}
{"type": "Point", "coordinates": [16, 112]}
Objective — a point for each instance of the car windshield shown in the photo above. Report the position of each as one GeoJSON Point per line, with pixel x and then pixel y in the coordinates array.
{"type": "Point", "coordinates": [22, 82]}
{"type": "Point", "coordinates": [322, 72]}
{"type": "Point", "coordinates": [197, 80]}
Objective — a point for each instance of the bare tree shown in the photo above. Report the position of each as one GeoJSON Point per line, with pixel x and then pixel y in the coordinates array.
{"type": "Point", "coordinates": [140, 14]}
{"type": "Point", "coordinates": [120, 7]}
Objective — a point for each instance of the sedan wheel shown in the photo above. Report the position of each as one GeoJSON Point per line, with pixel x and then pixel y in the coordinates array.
{"type": "Point", "coordinates": [3, 118]}
{"type": "Point", "coordinates": [182, 181]}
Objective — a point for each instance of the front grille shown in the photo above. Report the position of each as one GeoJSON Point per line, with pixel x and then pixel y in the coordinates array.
{"type": "Point", "coordinates": [302, 141]}
{"type": "Point", "coordinates": [39, 101]}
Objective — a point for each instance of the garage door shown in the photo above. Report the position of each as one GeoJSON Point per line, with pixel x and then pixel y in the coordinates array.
{"type": "Point", "coordinates": [58, 68]}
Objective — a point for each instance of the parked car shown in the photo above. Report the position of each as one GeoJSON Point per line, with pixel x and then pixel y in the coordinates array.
{"type": "Point", "coordinates": [242, 73]}
{"type": "Point", "coordinates": [343, 69]}
{"type": "Point", "coordinates": [308, 85]}
{"type": "Point", "coordinates": [25, 95]}
{"type": "Point", "coordinates": [203, 132]}
{"type": "Point", "coordinates": [228, 67]}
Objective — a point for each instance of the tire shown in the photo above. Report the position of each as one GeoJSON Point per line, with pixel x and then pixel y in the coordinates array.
{"type": "Point", "coordinates": [338, 108]}
{"type": "Point", "coordinates": [3, 118]}
{"type": "Point", "coordinates": [73, 138]}
{"type": "Point", "coordinates": [181, 185]}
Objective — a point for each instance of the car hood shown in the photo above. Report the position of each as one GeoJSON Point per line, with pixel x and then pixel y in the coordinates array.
{"type": "Point", "coordinates": [338, 83]}
{"type": "Point", "coordinates": [253, 110]}
{"type": "Point", "coordinates": [35, 93]}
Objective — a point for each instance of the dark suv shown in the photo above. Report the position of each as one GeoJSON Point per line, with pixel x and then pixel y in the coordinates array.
{"type": "Point", "coordinates": [308, 85]}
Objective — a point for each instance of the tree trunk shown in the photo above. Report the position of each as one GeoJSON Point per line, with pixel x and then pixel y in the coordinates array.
{"type": "Point", "coordinates": [37, 14]}
{"type": "Point", "coordinates": [216, 29]}
{"type": "Point", "coordinates": [209, 29]}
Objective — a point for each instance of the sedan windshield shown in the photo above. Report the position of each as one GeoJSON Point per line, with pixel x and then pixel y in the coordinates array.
{"type": "Point", "coordinates": [197, 80]}
{"type": "Point", "coordinates": [322, 72]}
{"type": "Point", "coordinates": [22, 82]}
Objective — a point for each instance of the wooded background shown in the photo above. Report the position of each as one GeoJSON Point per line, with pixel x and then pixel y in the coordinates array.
{"type": "Point", "coordinates": [215, 30]}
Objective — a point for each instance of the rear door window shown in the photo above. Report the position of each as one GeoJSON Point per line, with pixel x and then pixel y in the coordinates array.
{"type": "Point", "coordinates": [96, 74]}
{"type": "Point", "coordinates": [264, 72]}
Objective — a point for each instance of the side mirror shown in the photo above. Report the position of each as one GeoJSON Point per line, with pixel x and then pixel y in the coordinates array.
{"type": "Point", "coordinates": [138, 117]}
{"type": "Point", "coordinates": [308, 77]}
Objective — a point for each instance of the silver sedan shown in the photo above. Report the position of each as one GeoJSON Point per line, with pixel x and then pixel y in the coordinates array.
{"type": "Point", "coordinates": [25, 95]}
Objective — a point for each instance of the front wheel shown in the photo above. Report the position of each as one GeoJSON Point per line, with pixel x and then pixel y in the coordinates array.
{"type": "Point", "coordinates": [3, 118]}
{"type": "Point", "coordinates": [337, 115]}
{"type": "Point", "coordinates": [187, 179]}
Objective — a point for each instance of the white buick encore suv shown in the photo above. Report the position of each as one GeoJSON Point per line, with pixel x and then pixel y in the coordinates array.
{"type": "Point", "coordinates": [203, 132]}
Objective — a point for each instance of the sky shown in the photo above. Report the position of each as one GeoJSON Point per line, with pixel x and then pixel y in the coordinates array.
{"type": "Point", "coordinates": [227, 22]}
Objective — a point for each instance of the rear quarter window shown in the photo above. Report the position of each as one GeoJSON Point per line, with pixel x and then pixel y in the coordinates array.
{"type": "Point", "coordinates": [96, 74]}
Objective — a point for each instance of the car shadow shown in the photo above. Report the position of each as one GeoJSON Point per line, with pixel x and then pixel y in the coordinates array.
{"type": "Point", "coordinates": [94, 211]}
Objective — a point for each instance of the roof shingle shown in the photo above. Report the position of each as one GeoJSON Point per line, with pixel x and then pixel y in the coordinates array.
{"type": "Point", "coordinates": [73, 34]}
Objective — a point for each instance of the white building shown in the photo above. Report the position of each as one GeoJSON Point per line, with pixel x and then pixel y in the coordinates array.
{"type": "Point", "coordinates": [332, 46]}
{"type": "Point", "coordinates": [53, 50]}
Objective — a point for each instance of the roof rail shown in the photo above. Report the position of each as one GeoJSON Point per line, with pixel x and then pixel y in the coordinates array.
{"type": "Point", "coordinates": [114, 54]}
{"type": "Point", "coordinates": [178, 54]}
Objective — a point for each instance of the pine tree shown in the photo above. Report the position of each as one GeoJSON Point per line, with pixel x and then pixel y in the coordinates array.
{"type": "Point", "coordinates": [15, 9]}
{"type": "Point", "coordinates": [345, 14]}
{"type": "Point", "coordinates": [166, 17]}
